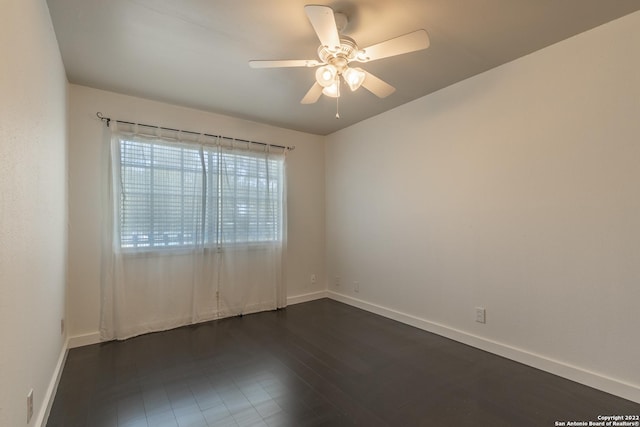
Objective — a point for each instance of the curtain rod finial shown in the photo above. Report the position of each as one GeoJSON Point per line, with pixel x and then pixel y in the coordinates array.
{"type": "Point", "coordinates": [103, 118]}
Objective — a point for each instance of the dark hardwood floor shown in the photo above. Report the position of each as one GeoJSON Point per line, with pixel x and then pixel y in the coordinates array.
{"type": "Point", "coordinates": [321, 363]}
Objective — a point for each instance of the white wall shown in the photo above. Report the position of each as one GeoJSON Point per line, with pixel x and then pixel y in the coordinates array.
{"type": "Point", "coordinates": [517, 190]}
{"type": "Point", "coordinates": [33, 215]}
{"type": "Point", "coordinates": [305, 168]}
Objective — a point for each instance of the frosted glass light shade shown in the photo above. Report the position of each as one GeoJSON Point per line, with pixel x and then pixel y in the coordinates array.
{"type": "Point", "coordinates": [354, 77]}
{"type": "Point", "coordinates": [326, 75]}
{"type": "Point", "coordinates": [333, 90]}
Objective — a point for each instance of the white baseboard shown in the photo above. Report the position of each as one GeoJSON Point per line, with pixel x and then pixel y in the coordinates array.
{"type": "Point", "coordinates": [94, 337]}
{"type": "Point", "coordinates": [297, 299]}
{"type": "Point", "coordinates": [50, 394]}
{"type": "Point", "coordinates": [574, 373]}
{"type": "Point", "coordinates": [82, 340]}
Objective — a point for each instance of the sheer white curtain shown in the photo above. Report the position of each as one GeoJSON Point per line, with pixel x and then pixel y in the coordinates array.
{"type": "Point", "coordinates": [195, 230]}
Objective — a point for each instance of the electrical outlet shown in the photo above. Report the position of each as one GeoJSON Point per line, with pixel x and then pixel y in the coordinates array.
{"type": "Point", "coordinates": [481, 315]}
{"type": "Point", "coordinates": [337, 281]}
{"type": "Point", "coordinates": [313, 279]}
{"type": "Point", "coordinates": [356, 286]}
{"type": "Point", "coordinates": [29, 405]}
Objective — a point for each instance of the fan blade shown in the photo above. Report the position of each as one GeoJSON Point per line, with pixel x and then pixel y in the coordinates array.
{"type": "Point", "coordinates": [411, 42]}
{"type": "Point", "coordinates": [378, 87]}
{"type": "Point", "coordinates": [285, 63]}
{"type": "Point", "coordinates": [313, 95]}
{"type": "Point", "coordinates": [324, 24]}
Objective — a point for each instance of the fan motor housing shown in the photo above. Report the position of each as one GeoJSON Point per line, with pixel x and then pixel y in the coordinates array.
{"type": "Point", "coordinates": [341, 57]}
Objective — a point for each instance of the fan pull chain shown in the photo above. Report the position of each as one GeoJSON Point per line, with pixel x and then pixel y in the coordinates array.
{"type": "Point", "coordinates": [337, 107]}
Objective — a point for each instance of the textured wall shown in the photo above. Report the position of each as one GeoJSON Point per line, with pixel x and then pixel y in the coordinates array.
{"type": "Point", "coordinates": [33, 215]}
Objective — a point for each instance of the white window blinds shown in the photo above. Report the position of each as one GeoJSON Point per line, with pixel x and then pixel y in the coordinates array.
{"type": "Point", "coordinates": [175, 195]}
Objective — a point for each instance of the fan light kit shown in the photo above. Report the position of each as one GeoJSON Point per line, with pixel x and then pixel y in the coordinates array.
{"type": "Point", "coordinates": [337, 51]}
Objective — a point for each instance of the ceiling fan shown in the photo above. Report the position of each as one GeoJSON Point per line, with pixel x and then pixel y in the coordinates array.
{"type": "Point", "coordinates": [338, 51]}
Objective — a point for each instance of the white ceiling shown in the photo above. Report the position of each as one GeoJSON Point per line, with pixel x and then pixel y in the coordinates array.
{"type": "Point", "coordinates": [195, 52]}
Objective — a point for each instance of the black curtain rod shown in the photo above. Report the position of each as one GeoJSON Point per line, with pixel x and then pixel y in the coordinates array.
{"type": "Point", "coordinates": [108, 120]}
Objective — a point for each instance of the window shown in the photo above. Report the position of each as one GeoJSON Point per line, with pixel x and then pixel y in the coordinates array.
{"type": "Point", "coordinates": [175, 195]}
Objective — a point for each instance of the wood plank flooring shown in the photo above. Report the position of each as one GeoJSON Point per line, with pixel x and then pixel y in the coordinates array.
{"type": "Point", "coordinates": [320, 363]}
